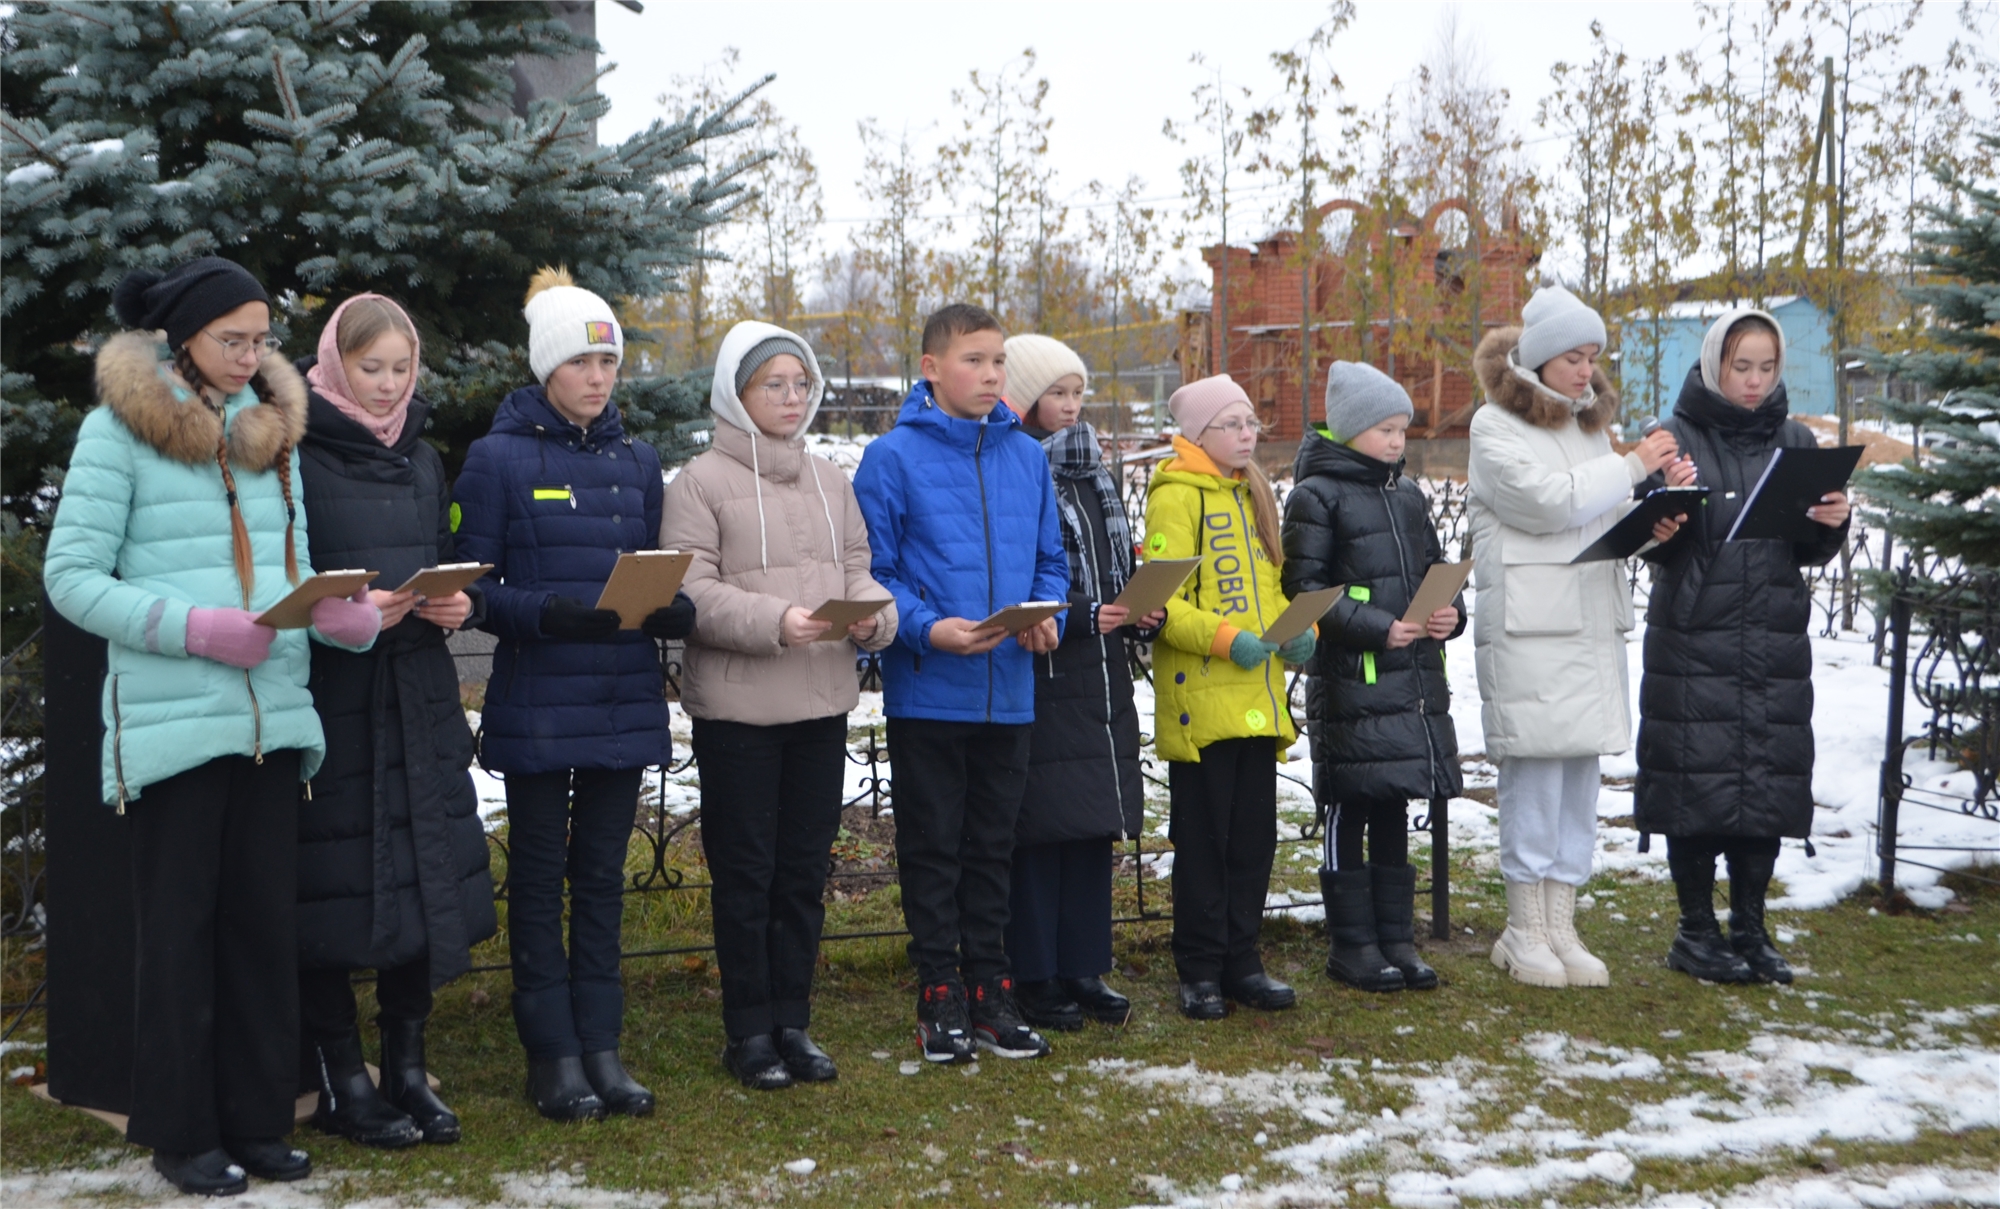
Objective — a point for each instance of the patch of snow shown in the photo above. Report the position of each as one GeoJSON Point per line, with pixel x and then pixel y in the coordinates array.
{"type": "Point", "coordinates": [30, 174]}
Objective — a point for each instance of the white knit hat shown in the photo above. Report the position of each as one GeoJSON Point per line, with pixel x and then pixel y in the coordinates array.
{"type": "Point", "coordinates": [1554, 322]}
{"type": "Point", "coordinates": [566, 320]}
{"type": "Point", "coordinates": [1034, 363]}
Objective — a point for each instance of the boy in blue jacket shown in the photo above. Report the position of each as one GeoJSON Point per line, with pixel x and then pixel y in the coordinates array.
{"type": "Point", "coordinates": [962, 522]}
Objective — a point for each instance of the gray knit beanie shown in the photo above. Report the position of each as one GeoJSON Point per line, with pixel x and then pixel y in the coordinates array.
{"type": "Point", "coordinates": [1359, 396]}
{"type": "Point", "coordinates": [1554, 322]}
{"type": "Point", "coordinates": [760, 352]}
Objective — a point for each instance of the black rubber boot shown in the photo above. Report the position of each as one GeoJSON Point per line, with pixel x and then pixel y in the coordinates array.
{"type": "Point", "coordinates": [756, 1063]}
{"type": "Point", "coordinates": [1749, 883]}
{"type": "Point", "coordinates": [1699, 948]}
{"type": "Point", "coordinates": [807, 1062]}
{"type": "Point", "coordinates": [1353, 954]}
{"type": "Point", "coordinates": [1045, 1004]}
{"type": "Point", "coordinates": [349, 1105]}
{"type": "Point", "coordinates": [406, 1085]}
{"type": "Point", "coordinates": [620, 1092]}
{"type": "Point", "coordinates": [1097, 1001]}
{"type": "Point", "coordinates": [1395, 895]}
{"type": "Point", "coordinates": [561, 1092]}
{"type": "Point", "coordinates": [271, 1159]}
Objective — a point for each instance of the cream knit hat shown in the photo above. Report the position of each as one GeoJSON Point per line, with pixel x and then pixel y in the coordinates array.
{"type": "Point", "coordinates": [565, 320]}
{"type": "Point", "coordinates": [1034, 363]}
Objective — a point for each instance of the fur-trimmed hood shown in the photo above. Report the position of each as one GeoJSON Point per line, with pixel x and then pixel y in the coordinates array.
{"type": "Point", "coordinates": [1521, 392]}
{"type": "Point", "coordinates": [150, 399]}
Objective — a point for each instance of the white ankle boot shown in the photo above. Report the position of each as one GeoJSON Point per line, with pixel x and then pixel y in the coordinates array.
{"type": "Point", "coordinates": [1559, 917]}
{"type": "Point", "coordinates": [1523, 949]}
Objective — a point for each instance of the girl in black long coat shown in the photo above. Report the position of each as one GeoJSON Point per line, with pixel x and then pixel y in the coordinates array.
{"type": "Point", "coordinates": [1085, 790]}
{"type": "Point", "coordinates": [1378, 708]}
{"type": "Point", "coordinates": [1725, 706]}
{"type": "Point", "coordinates": [392, 857]}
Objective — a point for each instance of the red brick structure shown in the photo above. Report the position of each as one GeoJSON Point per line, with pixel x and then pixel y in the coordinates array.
{"type": "Point", "coordinates": [1436, 296]}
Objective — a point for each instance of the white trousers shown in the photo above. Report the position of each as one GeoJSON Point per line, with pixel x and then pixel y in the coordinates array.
{"type": "Point", "coordinates": [1548, 819]}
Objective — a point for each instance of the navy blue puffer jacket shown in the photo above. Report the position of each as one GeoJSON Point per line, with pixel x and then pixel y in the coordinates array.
{"type": "Point", "coordinates": [962, 521]}
{"type": "Point", "coordinates": [552, 506]}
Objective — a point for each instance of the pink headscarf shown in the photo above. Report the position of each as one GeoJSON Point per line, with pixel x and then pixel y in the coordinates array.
{"type": "Point", "coordinates": [329, 377]}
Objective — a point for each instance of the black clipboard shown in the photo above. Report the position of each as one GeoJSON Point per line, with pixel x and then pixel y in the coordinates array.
{"type": "Point", "coordinates": [1792, 482]}
{"type": "Point", "coordinates": [1635, 528]}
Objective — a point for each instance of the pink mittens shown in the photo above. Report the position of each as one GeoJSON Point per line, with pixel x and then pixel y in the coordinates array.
{"type": "Point", "coordinates": [229, 636]}
{"type": "Point", "coordinates": [347, 622]}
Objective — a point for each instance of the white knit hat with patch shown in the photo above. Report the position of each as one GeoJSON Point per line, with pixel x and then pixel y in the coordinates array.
{"type": "Point", "coordinates": [566, 320]}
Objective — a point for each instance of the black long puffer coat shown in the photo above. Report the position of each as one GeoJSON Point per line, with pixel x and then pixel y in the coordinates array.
{"type": "Point", "coordinates": [1083, 754]}
{"type": "Point", "coordinates": [1726, 702]}
{"type": "Point", "coordinates": [392, 855]}
{"type": "Point", "coordinates": [1379, 720]}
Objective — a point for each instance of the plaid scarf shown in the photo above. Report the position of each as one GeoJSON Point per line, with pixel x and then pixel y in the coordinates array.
{"type": "Point", "coordinates": [1074, 454]}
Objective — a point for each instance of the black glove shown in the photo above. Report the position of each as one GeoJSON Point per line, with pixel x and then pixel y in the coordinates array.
{"type": "Point", "coordinates": [674, 621]}
{"type": "Point", "coordinates": [577, 622]}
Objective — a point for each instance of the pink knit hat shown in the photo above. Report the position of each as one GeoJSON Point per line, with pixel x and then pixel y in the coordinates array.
{"type": "Point", "coordinates": [1196, 405]}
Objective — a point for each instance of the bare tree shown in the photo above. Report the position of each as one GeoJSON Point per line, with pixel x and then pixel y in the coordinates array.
{"type": "Point", "coordinates": [896, 242]}
{"type": "Point", "coordinates": [997, 168]}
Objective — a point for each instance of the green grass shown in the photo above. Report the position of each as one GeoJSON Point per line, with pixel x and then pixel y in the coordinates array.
{"type": "Point", "coordinates": [1010, 1132]}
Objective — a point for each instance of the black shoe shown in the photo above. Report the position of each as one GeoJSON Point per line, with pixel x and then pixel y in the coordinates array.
{"type": "Point", "coordinates": [997, 1026]}
{"type": "Point", "coordinates": [1260, 991]}
{"type": "Point", "coordinates": [1046, 1004]}
{"type": "Point", "coordinates": [756, 1063]}
{"type": "Point", "coordinates": [269, 1158]}
{"type": "Point", "coordinates": [1097, 1001]}
{"type": "Point", "coordinates": [1203, 1001]}
{"type": "Point", "coordinates": [944, 1029]}
{"type": "Point", "coordinates": [1395, 901]}
{"type": "Point", "coordinates": [1755, 948]}
{"type": "Point", "coordinates": [620, 1092]}
{"type": "Point", "coordinates": [350, 1106]}
{"type": "Point", "coordinates": [406, 1086]}
{"type": "Point", "coordinates": [210, 1173]}
{"type": "Point", "coordinates": [807, 1062]}
{"type": "Point", "coordinates": [1352, 952]}
{"type": "Point", "coordinates": [561, 1091]}
{"type": "Point", "coordinates": [1749, 881]}
{"type": "Point", "coordinates": [1698, 947]}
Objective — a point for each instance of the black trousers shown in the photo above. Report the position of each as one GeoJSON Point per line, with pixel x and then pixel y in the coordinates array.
{"type": "Point", "coordinates": [1224, 828]}
{"type": "Point", "coordinates": [574, 825]}
{"type": "Point", "coordinates": [215, 887]}
{"type": "Point", "coordinates": [958, 788]}
{"type": "Point", "coordinates": [1385, 822]}
{"type": "Point", "coordinates": [770, 808]}
{"type": "Point", "coordinates": [1059, 922]}
{"type": "Point", "coordinates": [1708, 847]}
{"type": "Point", "coordinates": [327, 1008]}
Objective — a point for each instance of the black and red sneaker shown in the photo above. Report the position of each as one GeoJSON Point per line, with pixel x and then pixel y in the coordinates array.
{"type": "Point", "coordinates": [943, 1031]}
{"type": "Point", "coordinates": [997, 1026]}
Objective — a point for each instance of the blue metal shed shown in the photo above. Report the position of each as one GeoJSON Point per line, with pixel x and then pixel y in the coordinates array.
{"type": "Point", "coordinates": [1809, 359]}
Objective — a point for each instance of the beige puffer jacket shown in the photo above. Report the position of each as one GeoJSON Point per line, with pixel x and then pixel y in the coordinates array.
{"type": "Point", "coordinates": [1548, 637]}
{"type": "Point", "coordinates": [770, 526]}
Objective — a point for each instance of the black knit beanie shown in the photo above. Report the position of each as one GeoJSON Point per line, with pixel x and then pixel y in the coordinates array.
{"type": "Point", "coordinates": [186, 298]}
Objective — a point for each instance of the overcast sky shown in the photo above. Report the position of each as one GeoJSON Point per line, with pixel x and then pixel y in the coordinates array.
{"type": "Point", "coordinates": [1116, 70]}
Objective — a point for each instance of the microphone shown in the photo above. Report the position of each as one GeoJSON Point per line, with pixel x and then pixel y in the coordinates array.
{"type": "Point", "coordinates": [1648, 426]}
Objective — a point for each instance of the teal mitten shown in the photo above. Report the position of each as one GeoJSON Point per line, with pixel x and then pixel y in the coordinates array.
{"type": "Point", "coordinates": [1299, 649]}
{"type": "Point", "coordinates": [1247, 651]}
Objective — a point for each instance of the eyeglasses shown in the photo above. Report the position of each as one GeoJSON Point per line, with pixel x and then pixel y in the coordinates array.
{"type": "Point", "coordinates": [236, 346]}
{"type": "Point", "coordinates": [1236, 427]}
{"type": "Point", "coordinates": [778, 392]}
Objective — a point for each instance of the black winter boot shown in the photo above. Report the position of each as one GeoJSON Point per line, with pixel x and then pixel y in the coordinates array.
{"type": "Point", "coordinates": [620, 1092]}
{"type": "Point", "coordinates": [349, 1105]}
{"type": "Point", "coordinates": [1353, 955]}
{"type": "Point", "coordinates": [561, 1092]}
{"type": "Point", "coordinates": [210, 1173]}
{"type": "Point", "coordinates": [1698, 947]}
{"type": "Point", "coordinates": [1045, 1004]}
{"type": "Point", "coordinates": [1749, 882]}
{"type": "Point", "coordinates": [1395, 893]}
{"type": "Point", "coordinates": [406, 1084]}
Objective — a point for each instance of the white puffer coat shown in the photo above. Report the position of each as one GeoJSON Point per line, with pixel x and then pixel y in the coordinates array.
{"type": "Point", "coordinates": [1549, 637]}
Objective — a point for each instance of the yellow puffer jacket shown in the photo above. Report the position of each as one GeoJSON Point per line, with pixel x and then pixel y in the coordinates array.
{"type": "Point", "coordinates": [1193, 508]}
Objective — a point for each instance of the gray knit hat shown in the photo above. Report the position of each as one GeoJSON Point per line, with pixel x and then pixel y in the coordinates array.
{"type": "Point", "coordinates": [1359, 396]}
{"type": "Point", "coordinates": [1554, 322]}
{"type": "Point", "coordinates": [760, 352]}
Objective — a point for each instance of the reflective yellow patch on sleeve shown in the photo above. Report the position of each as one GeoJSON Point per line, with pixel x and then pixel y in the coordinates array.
{"type": "Point", "coordinates": [551, 493]}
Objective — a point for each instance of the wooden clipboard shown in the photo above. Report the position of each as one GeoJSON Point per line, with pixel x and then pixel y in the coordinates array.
{"type": "Point", "coordinates": [643, 582]}
{"type": "Point", "coordinates": [1301, 615]}
{"type": "Point", "coordinates": [1439, 589]}
{"type": "Point", "coordinates": [844, 613]}
{"type": "Point", "coordinates": [1154, 583]}
{"type": "Point", "coordinates": [1015, 618]}
{"type": "Point", "coordinates": [294, 612]}
{"type": "Point", "coordinates": [444, 579]}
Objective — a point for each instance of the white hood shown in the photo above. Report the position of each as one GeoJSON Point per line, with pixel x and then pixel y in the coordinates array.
{"type": "Point", "coordinates": [722, 397]}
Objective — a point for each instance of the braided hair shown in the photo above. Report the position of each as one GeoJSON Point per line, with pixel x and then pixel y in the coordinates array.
{"type": "Point", "coordinates": [239, 535]}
